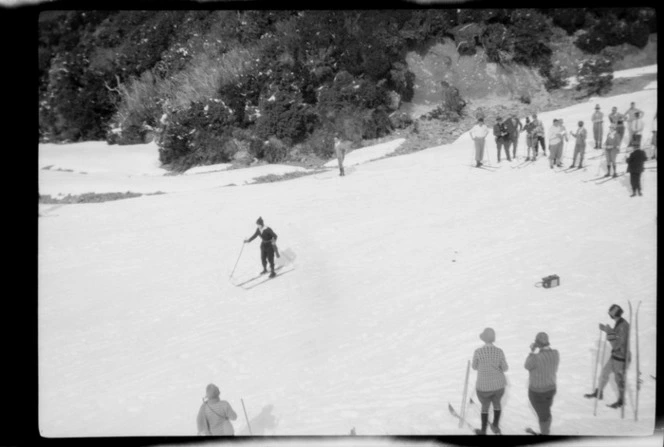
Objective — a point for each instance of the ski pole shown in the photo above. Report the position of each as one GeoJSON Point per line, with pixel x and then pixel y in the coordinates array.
{"type": "Point", "coordinates": [598, 391]}
{"type": "Point", "coordinates": [465, 392]}
{"type": "Point", "coordinates": [599, 343]}
{"type": "Point", "coordinates": [245, 416]}
{"type": "Point", "coordinates": [238, 260]}
{"type": "Point", "coordinates": [638, 368]}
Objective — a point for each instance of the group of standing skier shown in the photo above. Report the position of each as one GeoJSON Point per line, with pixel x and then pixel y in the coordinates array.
{"type": "Point", "coordinates": [542, 364]}
{"type": "Point", "coordinates": [506, 135]}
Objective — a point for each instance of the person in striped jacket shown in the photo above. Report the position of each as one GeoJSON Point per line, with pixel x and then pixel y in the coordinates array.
{"type": "Point", "coordinates": [618, 336]}
{"type": "Point", "coordinates": [490, 363]}
{"type": "Point", "coordinates": [543, 366]}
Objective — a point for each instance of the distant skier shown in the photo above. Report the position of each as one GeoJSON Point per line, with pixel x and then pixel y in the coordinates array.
{"type": "Point", "coordinates": [598, 126]}
{"type": "Point", "coordinates": [490, 363]}
{"type": "Point", "coordinates": [502, 138]}
{"type": "Point", "coordinates": [630, 115]}
{"type": "Point", "coordinates": [478, 134]}
{"type": "Point", "coordinates": [579, 144]}
{"type": "Point", "coordinates": [620, 357]}
{"type": "Point", "coordinates": [268, 245]}
{"type": "Point", "coordinates": [557, 135]}
{"type": "Point", "coordinates": [513, 126]}
{"type": "Point", "coordinates": [538, 134]}
{"type": "Point", "coordinates": [215, 415]}
{"type": "Point", "coordinates": [611, 148]}
{"type": "Point", "coordinates": [529, 128]}
{"type": "Point", "coordinates": [636, 130]}
{"type": "Point", "coordinates": [635, 162]}
{"type": "Point", "coordinates": [543, 367]}
{"type": "Point", "coordinates": [618, 121]}
{"type": "Point", "coordinates": [340, 152]}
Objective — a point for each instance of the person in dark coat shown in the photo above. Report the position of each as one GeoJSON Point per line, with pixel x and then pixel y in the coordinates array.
{"type": "Point", "coordinates": [635, 163]}
{"type": "Point", "coordinates": [538, 134]}
{"type": "Point", "coordinates": [268, 245]}
{"type": "Point", "coordinates": [502, 138]}
{"type": "Point", "coordinates": [513, 126]}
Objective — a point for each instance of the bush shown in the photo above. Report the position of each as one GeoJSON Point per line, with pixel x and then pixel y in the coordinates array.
{"type": "Point", "coordinates": [199, 135]}
{"type": "Point", "coordinates": [595, 76]}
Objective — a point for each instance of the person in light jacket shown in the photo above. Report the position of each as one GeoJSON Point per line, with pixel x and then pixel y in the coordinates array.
{"type": "Point", "coordinates": [579, 145]}
{"type": "Point", "coordinates": [542, 367]}
{"type": "Point", "coordinates": [636, 129]}
{"type": "Point", "coordinates": [490, 363]}
{"type": "Point", "coordinates": [611, 148]}
{"type": "Point", "coordinates": [478, 134]}
{"type": "Point", "coordinates": [215, 415]}
{"type": "Point", "coordinates": [598, 126]}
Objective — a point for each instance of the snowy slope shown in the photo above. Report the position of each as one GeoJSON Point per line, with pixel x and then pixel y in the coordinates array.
{"type": "Point", "coordinates": [400, 265]}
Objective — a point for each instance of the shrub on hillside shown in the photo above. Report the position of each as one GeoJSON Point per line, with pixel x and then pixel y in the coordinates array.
{"type": "Point", "coordinates": [595, 76]}
{"type": "Point", "coordinates": [198, 135]}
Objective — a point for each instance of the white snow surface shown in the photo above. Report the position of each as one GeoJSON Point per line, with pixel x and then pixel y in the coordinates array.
{"type": "Point", "coordinates": [399, 266]}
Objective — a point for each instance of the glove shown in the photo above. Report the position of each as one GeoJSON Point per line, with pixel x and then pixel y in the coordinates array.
{"type": "Point", "coordinates": [603, 327]}
{"type": "Point", "coordinates": [246, 240]}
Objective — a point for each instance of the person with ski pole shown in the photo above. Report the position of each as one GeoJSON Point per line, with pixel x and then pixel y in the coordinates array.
{"type": "Point", "coordinates": [214, 416]}
{"type": "Point", "coordinates": [579, 145]}
{"type": "Point", "coordinates": [635, 162]}
{"type": "Point", "coordinates": [500, 133]}
{"type": "Point", "coordinates": [618, 336]}
{"type": "Point", "coordinates": [478, 134]}
{"type": "Point", "coordinates": [513, 126]}
{"type": "Point", "coordinates": [542, 367]}
{"type": "Point", "coordinates": [611, 148]}
{"type": "Point", "coordinates": [268, 245]}
{"type": "Point", "coordinates": [529, 127]}
{"type": "Point", "coordinates": [538, 134]}
{"type": "Point", "coordinates": [598, 126]}
{"type": "Point", "coordinates": [490, 363]}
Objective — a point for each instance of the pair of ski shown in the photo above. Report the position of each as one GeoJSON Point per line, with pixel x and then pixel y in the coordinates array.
{"type": "Point", "coordinates": [254, 281]}
{"type": "Point", "coordinates": [487, 167]}
{"type": "Point", "coordinates": [523, 164]}
{"type": "Point", "coordinates": [463, 421]}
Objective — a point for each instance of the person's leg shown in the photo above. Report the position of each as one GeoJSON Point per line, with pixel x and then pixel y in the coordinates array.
{"type": "Point", "coordinates": [269, 249]}
{"type": "Point", "coordinates": [638, 183]}
{"type": "Point", "coordinates": [485, 401]}
{"type": "Point", "coordinates": [264, 257]}
{"type": "Point", "coordinates": [478, 156]}
{"type": "Point", "coordinates": [633, 182]}
{"type": "Point", "coordinates": [495, 400]}
{"type": "Point", "coordinates": [582, 153]}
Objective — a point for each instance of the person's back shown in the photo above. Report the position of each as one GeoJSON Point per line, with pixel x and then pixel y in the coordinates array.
{"type": "Point", "coordinates": [218, 415]}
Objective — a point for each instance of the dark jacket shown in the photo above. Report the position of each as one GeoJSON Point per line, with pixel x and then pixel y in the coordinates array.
{"type": "Point", "coordinates": [513, 127]}
{"type": "Point", "coordinates": [636, 160]}
{"type": "Point", "coordinates": [500, 131]}
{"type": "Point", "coordinates": [619, 339]}
{"type": "Point", "coordinates": [268, 236]}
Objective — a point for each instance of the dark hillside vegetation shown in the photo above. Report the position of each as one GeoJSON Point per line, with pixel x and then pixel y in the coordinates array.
{"type": "Point", "coordinates": [224, 85]}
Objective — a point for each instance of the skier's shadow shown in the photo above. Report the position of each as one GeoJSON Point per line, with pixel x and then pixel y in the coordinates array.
{"type": "Point", "coordinates": [263, 424]}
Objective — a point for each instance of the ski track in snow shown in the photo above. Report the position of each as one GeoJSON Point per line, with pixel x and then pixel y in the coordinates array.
{"type": "Point", "coordinates": [399, 267]}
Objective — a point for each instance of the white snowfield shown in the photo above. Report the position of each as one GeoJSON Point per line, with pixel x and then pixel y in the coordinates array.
{"type": "Point", "coordinates": [630, 73]}
{"type": "Point", "coordinates": [399, 266]}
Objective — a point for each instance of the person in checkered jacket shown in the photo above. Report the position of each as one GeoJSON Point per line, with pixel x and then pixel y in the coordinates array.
{"type": "Point", "coordinates": [490, 363]}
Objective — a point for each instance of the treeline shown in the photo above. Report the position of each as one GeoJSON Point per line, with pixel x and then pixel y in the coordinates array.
{"type": "Point", "coordinates": [269, 84]}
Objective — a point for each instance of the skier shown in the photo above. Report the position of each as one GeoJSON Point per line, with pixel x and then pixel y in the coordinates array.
{"type": "Point", "coordinates": [635, 163]}
{"type": "Point", "coordinates": [478, 133]}
{"type": "Point", "coordinates": [556, 135]}
{"type": "Point", "coordinates": [617, 364]}
{"type": "Point", "coordinates": [538, 134]}
{"type": "Point", "coordinates": [618, 121]}
{"type": "Point", "coordinates": [542, 366]}
{"type": "Point", "coordinates": [502, 138]}
{"type": "Point", "coordinates": [598, 126]}
{"type": "Point", "coordinates": [513, 126]}
{"type": "Point", "coordinates": [630, 115]}
{"type": "Point", "coordinates": [490, 363]}
{"type": "Point", "coordinates": [611, 147]}
{"type": "Point", "coordinates": [215, 415]}
{"type": "Point", "coordinates": [340, 151]}
{"type": "Point", "coordinates": [636, 129]}
{"type": "Point", "coordinates": [268, 245]}
{"type": "Point", "coordinates": [529, 128]}
{"type": "Point", "coordinates": [579, 145]}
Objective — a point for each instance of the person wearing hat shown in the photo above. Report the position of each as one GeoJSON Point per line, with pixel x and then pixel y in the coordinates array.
{"type": "Point", "coordinates": [268, 245]}
{"type": "Point", "coordinates": [215, 415]}
{"type": "Point", "coordinates": [514, 127]}
{"type": "Point", "coordinates": [618, 336]}
{"type": "Point", "coordinates": [490, 363]}
{"type": "Point", "coordinates": [598, 126]}
{"type": "Point", "coordinates": [529, 128]}
{"type": "Point", "coordinates": [635, 162]}
{"type": "Point", "coordinates": [630, 115]}
{"type": "Point", "coordinates": [611, 148]}
{"type": "Point", "coordinates": [478, 134]}
{"type": "Point", "coordinates": [542, 367]}
{"type": "Point", "coordinates": [557, 135]}
{"type": "Point", "coordinates": [617, 120]}
{"type": "Point", "coordinates": [579, 145]}
{"type": "Point", "coordinates": [502, 137]}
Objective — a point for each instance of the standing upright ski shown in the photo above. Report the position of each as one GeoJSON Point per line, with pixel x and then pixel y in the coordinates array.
{"type": "Point", "coordinates": [638, 366]}
{"type": "Point", "coordinates": [627, 357]}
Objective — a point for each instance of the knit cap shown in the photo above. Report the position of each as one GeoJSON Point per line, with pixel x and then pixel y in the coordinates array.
{"type": "Point", "coordinates": [259, 221]}
{"type": "Point", "coordinates": [488, 335]}
{"type": "Point", "coordinates": [211, 391]}
{"type": "Point", "coordinates": [542, 339]}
